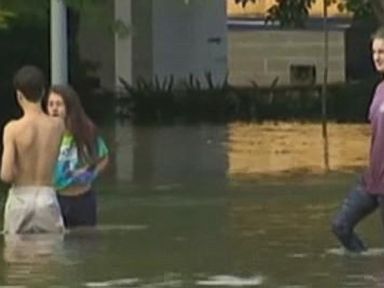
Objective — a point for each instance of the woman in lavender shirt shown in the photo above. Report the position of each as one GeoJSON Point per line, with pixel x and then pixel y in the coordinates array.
{"type": "Point", "coordinates": [368, 194]}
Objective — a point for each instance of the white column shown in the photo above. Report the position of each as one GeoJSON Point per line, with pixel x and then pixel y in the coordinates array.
{"type": "Point", "coordinates": [59, 43]}
{"type": "Point", "coordinates": [123, 42]}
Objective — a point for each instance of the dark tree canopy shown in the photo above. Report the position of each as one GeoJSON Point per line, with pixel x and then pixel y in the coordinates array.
{"type": "Point", "coordinates": [294, 13]}
{"type": "Point", "coordinates": [289, 13]}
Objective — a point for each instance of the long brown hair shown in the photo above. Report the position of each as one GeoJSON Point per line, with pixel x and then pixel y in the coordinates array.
{"type": "Point", "coordinates": [78, 123]}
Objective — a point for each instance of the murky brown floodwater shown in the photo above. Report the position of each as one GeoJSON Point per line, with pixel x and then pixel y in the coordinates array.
{"type": "Point", "coordinates": [175, 219]}
{"type": "Point", "coordinates": [176, 153]}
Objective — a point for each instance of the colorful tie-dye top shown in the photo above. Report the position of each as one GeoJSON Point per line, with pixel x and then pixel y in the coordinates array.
{"type": "Point", "coordinates": [68, 162]}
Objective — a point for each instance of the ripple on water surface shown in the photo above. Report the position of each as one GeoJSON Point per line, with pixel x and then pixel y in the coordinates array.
{"type": "Point", "coordinates": [231, 281]}
{"type": "Point", "coordinates": [371, 252]}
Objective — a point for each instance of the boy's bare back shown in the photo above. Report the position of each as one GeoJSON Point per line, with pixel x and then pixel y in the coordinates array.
{"type": "Point", "coordinates": [35, 141]}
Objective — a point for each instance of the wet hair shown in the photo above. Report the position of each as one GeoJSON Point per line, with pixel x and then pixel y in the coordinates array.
{"type": "Point", "coordinates": [378, 34]}
{"type": "Point", "coordinates": [30, 81]}
{"type": "Point", "coordinates": [78, 123]}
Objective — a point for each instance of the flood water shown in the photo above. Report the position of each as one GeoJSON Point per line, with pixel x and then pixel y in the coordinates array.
{"type": "Point", "coordinates": [211, 206]}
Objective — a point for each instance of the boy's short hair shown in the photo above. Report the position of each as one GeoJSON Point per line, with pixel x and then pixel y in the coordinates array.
{"type": "Point", "coordinates": [30, 81]}
{"type": "Point", "coordinates": [378, 34]}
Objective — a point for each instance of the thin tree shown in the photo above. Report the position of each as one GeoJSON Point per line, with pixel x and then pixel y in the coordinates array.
{"type": "Point", "coordinates": [324, 87]}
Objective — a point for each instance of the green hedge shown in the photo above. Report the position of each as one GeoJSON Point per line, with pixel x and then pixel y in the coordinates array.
{"type": "Point", "coordinates": [163, 102]}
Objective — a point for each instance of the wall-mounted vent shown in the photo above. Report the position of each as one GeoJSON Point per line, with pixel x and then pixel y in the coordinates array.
{"type": "Point", "coordinates": [302, 74]}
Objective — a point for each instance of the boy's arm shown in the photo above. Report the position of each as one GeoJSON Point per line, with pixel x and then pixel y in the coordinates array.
{"type": "Point", "coordinates": [8, 161]}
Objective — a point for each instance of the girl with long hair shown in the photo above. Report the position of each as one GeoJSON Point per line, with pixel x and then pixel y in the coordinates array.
{"type": "Point", "coordinates": [83, 155]}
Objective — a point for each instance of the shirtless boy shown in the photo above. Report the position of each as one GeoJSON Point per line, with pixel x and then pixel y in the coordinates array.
{"type": "Point", "coordinates": [30, 149]}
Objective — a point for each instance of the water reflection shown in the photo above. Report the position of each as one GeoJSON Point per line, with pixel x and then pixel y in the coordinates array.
{"type": "Point", "coordinates": [171, 153]}
{"type": "Point", "coordinates": [32, 259]}
{"type": "Point", "coordinates": [179, 153]}
{"type": "Point", "coordinates": [277, 147]}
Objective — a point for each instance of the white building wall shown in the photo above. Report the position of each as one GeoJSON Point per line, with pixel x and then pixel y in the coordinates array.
{"type": "Point", "coordinates": [180, 37]}
{"type": "Point", "coordinates": [123, 41]}
{"type": "Point", "coordinates": [189, 37]}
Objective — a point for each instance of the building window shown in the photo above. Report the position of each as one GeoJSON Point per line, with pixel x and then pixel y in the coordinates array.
{"type": "Point", "coordinates": [302, 74]}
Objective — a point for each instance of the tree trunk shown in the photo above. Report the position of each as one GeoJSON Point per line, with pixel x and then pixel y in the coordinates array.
{"type": "Point", "coordinates": [324, 88]}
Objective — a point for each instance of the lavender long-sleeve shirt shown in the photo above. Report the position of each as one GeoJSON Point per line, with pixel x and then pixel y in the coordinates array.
{"type": "Point", "coordinates": [374, 175]}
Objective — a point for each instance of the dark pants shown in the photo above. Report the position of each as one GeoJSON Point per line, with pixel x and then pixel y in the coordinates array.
{"type": "Point", "coordinates": [79, 210]}
{"type": "Point", "coordinates": [357, 205]}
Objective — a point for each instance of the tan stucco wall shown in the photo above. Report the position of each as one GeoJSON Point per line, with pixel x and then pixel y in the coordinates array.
{"type": "Point", "coordinates": [263, 55]}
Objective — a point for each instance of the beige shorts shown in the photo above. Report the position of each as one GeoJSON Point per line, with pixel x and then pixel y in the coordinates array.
{"type": "Point", "coordinates": [32, 209]}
